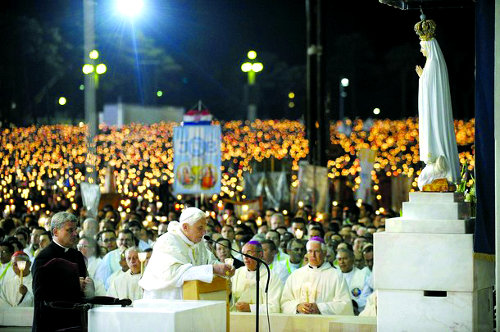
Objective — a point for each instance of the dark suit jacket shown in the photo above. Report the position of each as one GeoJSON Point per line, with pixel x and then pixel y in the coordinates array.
{"type": "Point", "coordinates": [53, 280]}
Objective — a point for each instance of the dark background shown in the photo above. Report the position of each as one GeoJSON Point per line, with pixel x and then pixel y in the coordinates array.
{"type": "Point", "coordinates": [193, 49]}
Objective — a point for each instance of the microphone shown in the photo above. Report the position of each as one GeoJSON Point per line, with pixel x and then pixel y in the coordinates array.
{"type": "Point", "coordinates": [209, 239]}
{"type": "Point", "coordinates": [257, 279]}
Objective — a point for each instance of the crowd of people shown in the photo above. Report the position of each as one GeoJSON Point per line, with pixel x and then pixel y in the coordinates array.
{"type": "Point", "coordinates": [318, 265]}
{"type": "Point", "coordinates": [42, 166]}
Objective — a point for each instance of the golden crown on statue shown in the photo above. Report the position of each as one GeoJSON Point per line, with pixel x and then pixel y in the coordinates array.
{"type": "Point", "coordinates": [425, 29]}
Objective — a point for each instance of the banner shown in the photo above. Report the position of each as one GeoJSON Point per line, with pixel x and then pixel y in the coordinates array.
{"type": "Point", "coordinates": [313, 187]}
{"type": "Point", "coordinates": [273, 185]}
{"type": "Point", "coordinates": [197, 160]}
{"type": "Point", "coordinates": [366, 160]}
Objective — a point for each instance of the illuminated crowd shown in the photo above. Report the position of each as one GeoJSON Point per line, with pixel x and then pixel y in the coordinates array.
{"type": "Point", "coordinates": [42, 166]}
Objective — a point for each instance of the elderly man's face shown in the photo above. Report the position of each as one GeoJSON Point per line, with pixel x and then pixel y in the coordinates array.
{"type": "Point", "coordinates": [84, 248]}
{"type": "Point", "coordinates": [196, 231]}
{"type": "Point", "coordinates": [133, 262]}
{"type": "Point", "coordinates": [346, 262]}
{"type": "Point", "coordinates": [67, 235]}
{"type": "Point", "coordinates": [315, 255]}
{"type": "Point", "coordinates": [251, 250]}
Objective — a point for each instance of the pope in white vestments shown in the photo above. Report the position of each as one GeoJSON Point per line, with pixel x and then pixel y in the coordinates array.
{"type": "Point", "coordinates": [316, 288]}
{"type": "Point", "coordinates": [180, 255]}
{"type": "Point", "coordinates": [126, 284]}
{"type": "Point", "coordinates": [12, 292]}
{"type": "Point", "coordinates": [244, 283]}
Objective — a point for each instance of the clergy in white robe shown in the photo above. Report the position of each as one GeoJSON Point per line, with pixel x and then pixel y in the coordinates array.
{"type": "Point", "coordinates": [126, 284]}
{"type": "Point", "coordinates": [13, 293]}
{"type": "Point", "coordinates": [356, 279]}
{"type": "Point", "coordinates": [180, 255]}
{"type": "Point", "coordinates": [244, 284]}
{"type": "Point", "coordinates": [316, 288]}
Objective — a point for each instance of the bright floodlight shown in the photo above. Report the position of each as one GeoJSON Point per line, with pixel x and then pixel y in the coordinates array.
{"type": "Point", "coordinates": [246, 67]}
{"type": "Point", "coordinates": [100, 68]}
{"type": "Point", "coordinates": [129, 7]}
{"type": "Point", "coordinates": [62, 101]}
{"type": "Point", "coordinates": [256, 67]}
{"type": "Point", "coordinates": [87, 68]}
{"type": "Point", "coordinates": [252, 55]}
{"type": "Point", "coordinates": [93, 54]}
{"type": "Point", "coordinates": [344, 82]}
{"type": "Point", "coordinates": [376, 111]}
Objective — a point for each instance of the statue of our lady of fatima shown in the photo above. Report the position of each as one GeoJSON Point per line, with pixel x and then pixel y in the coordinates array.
{"type": "Point", "coordinates": [438, 145]}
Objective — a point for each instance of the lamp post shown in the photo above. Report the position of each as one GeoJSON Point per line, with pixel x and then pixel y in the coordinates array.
{"type": "Point", "coordinates": [252, 67]}
{"type": "Point", "coordinates": [344, 83]}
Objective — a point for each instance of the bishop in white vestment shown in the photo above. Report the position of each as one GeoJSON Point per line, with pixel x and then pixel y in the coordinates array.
{"type": "Point", "coordinates": [244, 283]}
{"type": "Point", "coordinates": [180, 255]}
{"type": "Point", "coordinates": [316, 288]}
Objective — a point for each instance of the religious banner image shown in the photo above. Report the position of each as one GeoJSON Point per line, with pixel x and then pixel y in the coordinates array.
{"type": "Point", "coordinates": [197, 159]}
{"type": "Point", "coordinates": [366, 160]}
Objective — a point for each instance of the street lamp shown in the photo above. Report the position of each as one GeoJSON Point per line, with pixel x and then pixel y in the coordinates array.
{"type": "Point", "coordinates": [251, 66]}
{"type": "Point", "coordinates": [344, 83]}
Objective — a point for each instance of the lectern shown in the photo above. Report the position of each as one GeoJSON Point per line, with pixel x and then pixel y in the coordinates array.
{"type": "Point", "coordinates": [218, 290]}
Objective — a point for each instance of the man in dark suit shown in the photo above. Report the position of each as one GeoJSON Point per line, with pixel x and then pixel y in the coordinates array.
{"type": "Point", "coordinates": [59, 274]}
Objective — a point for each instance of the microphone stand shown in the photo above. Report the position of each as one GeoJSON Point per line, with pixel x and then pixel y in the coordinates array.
{"type": "Point", "coordinates": [257, 276]}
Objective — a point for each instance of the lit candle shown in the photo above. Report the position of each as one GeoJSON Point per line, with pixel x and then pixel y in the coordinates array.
{"type": "Point", "coordinates": [21, 266]}
{"type": "Point", "coordinates": [142, 258]}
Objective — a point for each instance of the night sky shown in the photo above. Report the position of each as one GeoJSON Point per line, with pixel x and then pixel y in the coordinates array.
{"type": "Point", "coordinates": [372, 44]}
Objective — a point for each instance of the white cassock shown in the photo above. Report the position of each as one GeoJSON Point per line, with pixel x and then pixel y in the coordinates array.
{"type": "Point", "coordinates": [9, 294]}
{"type": "Point", "coordinates": [324, 286]}
{"type": "Point", "coordinates": [356, 282]}
{"type": "Point", "coordinates": [176, 259]}
{"type": "Point", "coordinates": [126, 286]}
{"type": "Point", "coordinates": [243, 289]}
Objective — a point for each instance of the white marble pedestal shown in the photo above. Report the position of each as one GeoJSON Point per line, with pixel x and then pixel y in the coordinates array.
{"type": "Point", "coordinates": [425, 271]}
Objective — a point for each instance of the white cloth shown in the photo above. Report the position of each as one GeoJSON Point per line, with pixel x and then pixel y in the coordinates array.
{"type": "Point", "coordinates": [126, 286]}
{"type": "Point", "coordinates": [9, 294]}
{"type": "Point", "coordinates": [176, 259]}
{"type": "Point", "coordinates": [356, 282]}
{"type": "Point", "coordinates": [436, 128]}
{"type": "Point", "coordinates": [110, 264]}
{"type": "Point", "coordinates": [324, 286]}
{"type": "Point", "coordinates": [244, 288]}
